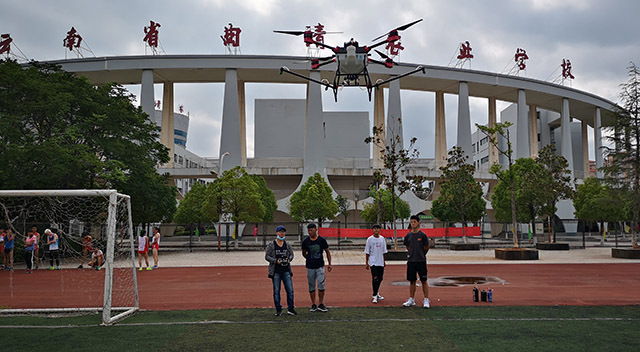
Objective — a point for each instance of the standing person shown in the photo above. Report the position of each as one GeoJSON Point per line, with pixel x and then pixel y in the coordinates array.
{"type": "Point", "coordinates": [4, 256]}
{"type": "Point", "coordinates": [143, 249]}
{"type": "Point", "coordinates": [374, 251]}
{"type": "Point", "coordinates": [312, 249]}
{"type": "Point", "coordinates": [417, 247]}
{"type": "Point", "coordinates": [155, 246]}
{"type": "Point", "coordinates": [36, 250]}
{"type": "Point", "coordinates": [54, 245]}
{"type": "Point", "coordinates": [279, 255]}
{"type": "Point", "coordinates": [9, 243]}
{"type": "Point", "coordinates": [87, 248]}
{"type": "Point", "coordinates": [29, 247]}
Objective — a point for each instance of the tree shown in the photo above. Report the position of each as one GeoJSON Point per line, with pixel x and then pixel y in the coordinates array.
{"type": "Point", "coordinates": [624, 154]}
{"type": "Point", "coordinates": [394, 159]}
{"type": "Point", "coordinates": [343, 207]}
{"type": "Point", "coordinates": [502, 129]}
{"type": "Point", "coordinates": [267, 198]}
{"type": "Point", "coordinates": [531, 185]}
{"type": "Point", "coordinates": [594, 201]}
{"type": "Point", "coordinates": [191, 207]}
{"type": "Point", "coordinates": [460, 196]}
{"type": "Point", "coordinates": [556, 184]}
{"type": "Point", "coordinates": [313, 201]}
{"type": "Point", "coordinates": [381, 210]}
{"type": "Point", "coordinates": [238, 195]}
{"type": "Point", "coordinates": [60, 131]}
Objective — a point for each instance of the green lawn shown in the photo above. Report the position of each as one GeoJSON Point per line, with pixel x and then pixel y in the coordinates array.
{"type": "Point", "coordinates": [341, 329]}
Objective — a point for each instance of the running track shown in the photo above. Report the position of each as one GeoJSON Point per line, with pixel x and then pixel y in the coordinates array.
{"type": "Point", "coordinates": [347, 286]}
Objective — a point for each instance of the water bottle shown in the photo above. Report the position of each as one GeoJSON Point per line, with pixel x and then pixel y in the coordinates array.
{"type": "Point", "coordinates": [475, 294]}
{"type": "Point", "coordinates": [483, 296]}
{"type": "Point", "coordinates": [490, 295]}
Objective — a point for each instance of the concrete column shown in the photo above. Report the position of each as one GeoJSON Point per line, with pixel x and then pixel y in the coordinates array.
{"type": "Point", "coordinates": [167, 131]}
{"type": "Point", "coordinates": [493, 151]}
{"type": "Point", "coordinates": [147, 100]}
{"type": "Point", "coordinates": [394, 115]}
{"type": "Point", "coordinates": [243, 124]}
{"type": "Point", "coordinates": [464, 122]}
{"type": "Point", "coordinates": [441, 131]}
{"type": "Point", "coordinates": [533, 130]}
{"type": "Point", "coordinates": [314, 158]}
{"type": "Point", "coordinates": [231, 137]}
{"type": "Point", "coordinates": [585, 150]}
{"type": "Point", "coordinates": [378, 121]}
{"type": "Point", "coordinates": [597, 142]}
{"type": "Point", "coordinates": [522, 128]}
{"type": "Point", "coordinates": [566, 149]}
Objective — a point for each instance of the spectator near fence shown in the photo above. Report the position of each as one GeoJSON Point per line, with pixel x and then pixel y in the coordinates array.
{"type": "Point", "coordinates": [279, 254]}
{"type": "Point", "coordinates": [29, 247]}
{"type": "Point", "coordinates": [313, 248]}
{"type": "Point", "coordinates": [374, 250]}
{"type": "Point", "coordinates": [36, 248]}
{"type": "Point", "coordinates": [417, 245]}
{"type": "Point", "coordinates": [54, 246]}
{"type": "Point", "coordinates": [87, 248]}
{"type": "Point", "coordinates": [143, 249]}
{"type": "Point", "coordinates": [155, 246]}
{"type": "Point", "coordinates": [9, 242]}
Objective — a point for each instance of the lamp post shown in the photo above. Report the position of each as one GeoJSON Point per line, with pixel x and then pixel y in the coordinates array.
{"type": "Point", "coordinates": [220, 223]}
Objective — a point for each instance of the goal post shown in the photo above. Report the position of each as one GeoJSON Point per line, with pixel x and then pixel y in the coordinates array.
{"type": "Point", "coordinates": [85, 221]}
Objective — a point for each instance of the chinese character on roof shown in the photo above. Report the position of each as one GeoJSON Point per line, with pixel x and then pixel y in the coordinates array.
{"type": "Point", "coordinates": [520, 58]}
{"type": "Point", "coordinates": [72, 40]}
{"type": "Point", "coordinates": [318, 34]}
{"type": "Point", "coordinates": [5, 43]}
{"type": "Point", "coordinates": [465, 51]}
{"type": "Point", "coordinates": [151, 37]}
{"type": "Point", "coordinates": [181, 109]}
{"type": "Point", "coordinates": [231, 36]}
{"type": "Point", "coordinates": [394, 47]}
{"type": "Point", "coordinates": [566, 69]}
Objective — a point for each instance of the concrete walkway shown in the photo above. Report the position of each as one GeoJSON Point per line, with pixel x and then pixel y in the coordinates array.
{"type": "Point", "coordinates": [356, 257]}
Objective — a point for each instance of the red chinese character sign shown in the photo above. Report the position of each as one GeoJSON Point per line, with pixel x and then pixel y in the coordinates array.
{"type": "Point", "coordinates": [151, 36]}
{"type": "Point", "coordinates": [72, 42]}
{"type": "Point", "coordinates": [520, 58]}
{"type": "Point", "coordinates": [231, 39]}
{"type": "Point", "coordinates": [566, 69]}
{"type": "Point", "coordinates": [464, 55]}
{"type": "Point", "coordinates": [5, 44]}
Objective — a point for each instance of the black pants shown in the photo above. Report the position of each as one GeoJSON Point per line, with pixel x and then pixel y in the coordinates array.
{"type": "Point", "coordinates": [377, 273]}
{"type": "Point", "coordinates": [53, 254]}
{"type": "Point", "coordinates": [28, 257]}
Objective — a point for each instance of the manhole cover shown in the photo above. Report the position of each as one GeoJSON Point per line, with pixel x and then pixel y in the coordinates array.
{"type": "Point", "coordinates": [456, 281]}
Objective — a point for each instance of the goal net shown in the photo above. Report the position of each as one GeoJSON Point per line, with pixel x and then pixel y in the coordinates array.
{"type": "Point", "coordinates": [93, 268]}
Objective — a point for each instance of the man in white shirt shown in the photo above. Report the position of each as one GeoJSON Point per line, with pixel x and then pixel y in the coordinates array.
{"type": "Point", "coordinates": [374, 252]}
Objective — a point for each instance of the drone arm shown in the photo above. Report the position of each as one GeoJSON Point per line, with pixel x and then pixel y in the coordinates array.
{"type": "Point", "coordinates": [416, 70]}
{"type": "Point", "coordinates": [285, 69]}
{"type": "Point", "coordinates": [388, 64]}
{"type": "Point", "coordinates": [368, 48]}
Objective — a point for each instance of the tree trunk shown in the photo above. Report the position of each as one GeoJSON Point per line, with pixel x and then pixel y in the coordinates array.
{"type": "Point", "coordinates": [235, 231]}
{"type": "Point", "coordinates": [513, 214]}
{"type": "Point", "coordinates": [393, 210]}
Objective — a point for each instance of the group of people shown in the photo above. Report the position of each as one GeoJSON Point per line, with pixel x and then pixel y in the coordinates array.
{"type": "Point", "coordinates": [143, 248]}
{"type": "Point", "coordinates": [31, 248]}
{"type": "Point", "coordinates": [279, 254]}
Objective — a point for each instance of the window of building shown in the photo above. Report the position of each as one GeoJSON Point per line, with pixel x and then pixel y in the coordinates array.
{"type": "Point", "coordinates": [484, 160]}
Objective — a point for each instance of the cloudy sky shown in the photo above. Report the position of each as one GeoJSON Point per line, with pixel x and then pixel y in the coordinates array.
{"type": "Point", "coordinates": [599, 37]}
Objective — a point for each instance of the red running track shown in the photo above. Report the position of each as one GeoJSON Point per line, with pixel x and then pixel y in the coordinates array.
{"type": "Point", "coordinates": [347, 286]}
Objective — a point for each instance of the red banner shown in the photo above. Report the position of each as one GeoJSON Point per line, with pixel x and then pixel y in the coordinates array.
{"type": "Point", "coordinates": [364, 233]}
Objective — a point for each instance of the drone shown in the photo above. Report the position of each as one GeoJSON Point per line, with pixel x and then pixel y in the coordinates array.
{"type": "Point", "coordinates": [352, 61]}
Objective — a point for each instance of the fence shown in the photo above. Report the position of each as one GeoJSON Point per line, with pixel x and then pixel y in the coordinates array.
{"type": "Point", "coordinates": [255, 236]}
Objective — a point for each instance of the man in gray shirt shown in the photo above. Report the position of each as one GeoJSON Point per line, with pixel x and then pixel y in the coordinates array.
{"type": "Point", "coordinates": [417, 247]}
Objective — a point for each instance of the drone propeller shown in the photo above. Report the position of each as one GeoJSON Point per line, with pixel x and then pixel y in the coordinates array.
{"type": "Point", "coordinates": [388, 61]}
{"type": "Point", "coordinates": [296, 33]}
{"type": "Point", "coordinates": [401, 28]}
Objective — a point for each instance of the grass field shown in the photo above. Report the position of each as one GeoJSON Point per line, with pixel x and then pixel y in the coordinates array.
{"type": "Point", "coordinates": [602, 328]}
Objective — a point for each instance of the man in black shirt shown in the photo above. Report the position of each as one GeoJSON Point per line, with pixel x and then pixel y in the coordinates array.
{"type": "Point", "coordinates": [312, 249]}
{"type": "Point", "coordinates": [417, 245]}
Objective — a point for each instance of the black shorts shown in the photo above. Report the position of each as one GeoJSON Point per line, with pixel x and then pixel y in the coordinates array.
{"type": "Point", "coordinates": [417, 268]}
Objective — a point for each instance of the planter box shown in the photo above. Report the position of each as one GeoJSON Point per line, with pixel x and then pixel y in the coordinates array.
{"type": "Point", "coordinates": [553, 246]}
{"type": "Point", "coordinates": [516, 254]}
{"type": "Point", "coordinates": [625, 253]}
{"type": "Point", "coordinates": [393, 255]}
{"type": "Point", "coordinates": [464, 246]}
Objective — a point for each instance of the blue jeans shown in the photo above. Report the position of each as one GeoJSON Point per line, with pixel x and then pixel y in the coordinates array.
{"type": "Point", "coordinates": [288, 286]}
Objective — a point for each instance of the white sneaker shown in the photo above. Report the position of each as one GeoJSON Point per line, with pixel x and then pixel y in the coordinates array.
{"type": "Point", "coordinates": [410, 302]}
{"type": "Point", "coordinates": [380, 298]}
{"type": "Point", "coordinates": [375, 299]}
{"type": "Point", "coordinates": [426, 303]}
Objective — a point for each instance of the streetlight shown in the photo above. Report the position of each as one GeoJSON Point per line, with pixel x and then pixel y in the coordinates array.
{"type": "Point", "coordinates": [220, 164]}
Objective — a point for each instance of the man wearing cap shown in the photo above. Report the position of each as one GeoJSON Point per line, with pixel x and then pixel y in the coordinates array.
{"type": "Point", "coordinates": [279, 255]}
{"type": "Point", "coordinates": [312, 249]}
{"type": "Point", "coordinates": [374, 252]}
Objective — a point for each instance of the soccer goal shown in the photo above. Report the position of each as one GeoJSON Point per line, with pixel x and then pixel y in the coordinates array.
{"type": "Point", "coordinates": [88, 224]}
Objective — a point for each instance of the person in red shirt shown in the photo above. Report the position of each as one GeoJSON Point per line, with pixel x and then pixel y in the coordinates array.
{"type": "Point", "coordinates": [87, 247]}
